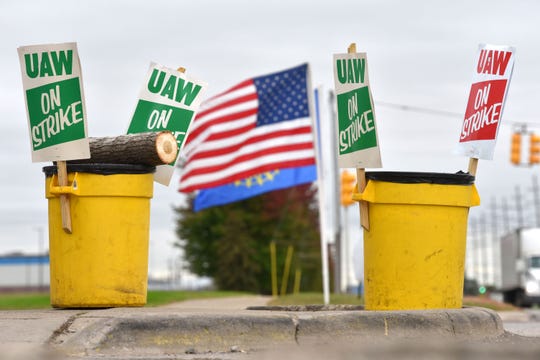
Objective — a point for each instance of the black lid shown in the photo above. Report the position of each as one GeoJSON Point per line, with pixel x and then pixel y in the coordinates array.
{"type": "Point", "coordinates": [103, 169]}
{"type": "Point", "coordinates": [459, 178]}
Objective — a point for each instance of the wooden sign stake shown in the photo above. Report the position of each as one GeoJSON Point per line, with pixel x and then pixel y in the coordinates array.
{"type": "Point", "coordinates": [361, 175]}
{"type": "Point", "coordinates": [473, 165]}
{"type": "Point", "coordinates": [64, 198]}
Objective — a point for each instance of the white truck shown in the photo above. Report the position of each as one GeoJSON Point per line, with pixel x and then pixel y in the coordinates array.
{"type": "Point", "coordinates": [520, 267]}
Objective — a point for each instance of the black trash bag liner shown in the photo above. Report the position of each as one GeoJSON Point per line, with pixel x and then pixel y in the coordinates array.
{"type": "Point", "coordinates": [102, 169]}
{"type": "Point", "coordinates": [459, 178]}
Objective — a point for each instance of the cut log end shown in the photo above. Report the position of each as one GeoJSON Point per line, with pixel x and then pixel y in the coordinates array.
{"type": "Point", "coordinates": [166, 147]}
{"type": "Point", "coordinates": [149, 148]}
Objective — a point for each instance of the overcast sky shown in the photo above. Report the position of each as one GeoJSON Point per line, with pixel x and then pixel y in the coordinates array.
{"type": "Point", "coordinates": [420, 54]}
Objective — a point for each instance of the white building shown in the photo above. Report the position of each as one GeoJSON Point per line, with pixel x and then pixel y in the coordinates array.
{"type": "Point", "coordinates": [18, 271]}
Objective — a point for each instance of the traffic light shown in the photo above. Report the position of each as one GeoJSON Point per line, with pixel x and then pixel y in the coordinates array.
{"type": "Point", "coordinates": [534, 149]}
{"type": "Point", "coordinates": [515, 151]}
{"type": "Point", "coordinates": [348, 184]}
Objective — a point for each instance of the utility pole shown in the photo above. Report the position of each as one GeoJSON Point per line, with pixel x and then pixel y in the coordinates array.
{"type": "Point", "coordinates": [519, 209]}
{"type": "Point", "coordinates": [505, 216]}
{"type": "Point", "coordinates": [344, 256]}
{"type": "Point", "coordinates": [336, 207]}
{"type": "Point", "coordinates": [494, 239]}
{"type": "Point", "coordinates": [470, 253]}
{"type": "Point", "coordinates": [483, 248]}
{"type": "Point", "coordinates": [536, 198]}
{"type": "Point", "coordinates": [477, 259]}
{"type": "Point", "coordinates": [338, 254]}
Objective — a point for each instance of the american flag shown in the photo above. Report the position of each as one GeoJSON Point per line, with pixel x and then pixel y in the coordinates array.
{"type": "Point", "coordinates": [261, 124]}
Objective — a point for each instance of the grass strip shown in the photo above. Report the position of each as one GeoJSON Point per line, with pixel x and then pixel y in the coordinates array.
{"type": "Point", "coordinates": [28, 301]}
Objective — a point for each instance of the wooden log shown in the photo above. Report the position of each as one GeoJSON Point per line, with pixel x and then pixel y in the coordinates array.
{"type": "Point", "coordinates": [149, 148]}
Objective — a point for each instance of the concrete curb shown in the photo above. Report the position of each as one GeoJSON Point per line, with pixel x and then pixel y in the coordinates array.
{"type": "Point", "coordinates": [159, 332]}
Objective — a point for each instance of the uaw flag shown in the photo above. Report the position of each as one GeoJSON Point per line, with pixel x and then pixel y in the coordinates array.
{"type": "Point", "coordinates": [253, 138]}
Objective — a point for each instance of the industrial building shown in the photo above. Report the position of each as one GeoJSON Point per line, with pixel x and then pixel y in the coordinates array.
{"type": "Point", "coordinates": [24, 272]}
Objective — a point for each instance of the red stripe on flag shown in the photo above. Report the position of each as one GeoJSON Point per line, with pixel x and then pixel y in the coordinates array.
{"type": "Point", "coordinates": [252, 140]}
{"type": "Point", "coordinates": [232, 102]}
{"type": "Point", "coordinates": [243, 84]}
{"type": "Point", "coordinates": [221, 120]}
{"type": "Point", "coordinates": [231, 133]}
{"type": "Point", "coordinates": [249, 156]}
{"type": "Point", "coordinates": [239, 86]}
{"type": "Point", "coordinates": [250, 172]}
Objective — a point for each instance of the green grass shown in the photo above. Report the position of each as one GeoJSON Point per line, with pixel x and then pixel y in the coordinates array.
{"type": "Point", "coordinates": [158, 298]}
{"type": "Point", "coordinates": [22, 301]}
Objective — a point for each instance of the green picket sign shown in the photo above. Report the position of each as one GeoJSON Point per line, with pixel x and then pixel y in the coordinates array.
{"type": "Point", "coordinates": [356, 122]}
{"type": "Point", "coordinates": [358, 144]}
{"type": "Point", "coordinates": [55, 113]}
{"type": "Point", "coordinates": [54, 97]}
{"type": "Point", "coordinates": [167, 101]}
{"type": "Point", "coordinates": [151, 116]}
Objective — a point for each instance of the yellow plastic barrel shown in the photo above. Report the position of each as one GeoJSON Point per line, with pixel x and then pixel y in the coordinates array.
{"type": "Point", "coordinates": [104, 261]}
{"type": "Point", "coordinates": [414, 250]}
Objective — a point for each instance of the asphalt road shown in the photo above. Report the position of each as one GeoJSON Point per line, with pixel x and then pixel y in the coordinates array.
{"type": "Point", "coordinates": [527, 324]}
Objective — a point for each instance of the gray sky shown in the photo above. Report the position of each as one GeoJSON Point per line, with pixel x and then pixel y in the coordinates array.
{"type": "Point", "coordinates": [420, 53]}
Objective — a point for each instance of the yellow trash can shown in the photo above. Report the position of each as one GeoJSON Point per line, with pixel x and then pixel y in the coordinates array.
{"type": "Point", "coordinates": [414, 250]}
{"type": "Point", "coordinates": [104, 261]}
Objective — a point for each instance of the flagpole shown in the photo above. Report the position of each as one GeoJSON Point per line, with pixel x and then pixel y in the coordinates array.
{"type": "Point", "coordinates": [314, 109]}
{"type": "Point", "coordinates": [334, 185]}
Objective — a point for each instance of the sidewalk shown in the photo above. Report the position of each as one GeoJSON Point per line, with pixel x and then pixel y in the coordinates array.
{"type": "Point", "coordinates": [224, 326]}
{"type": "Point", "coordinates": [226, 303]}
{"type": "Point", "coordinates": [23, 333]}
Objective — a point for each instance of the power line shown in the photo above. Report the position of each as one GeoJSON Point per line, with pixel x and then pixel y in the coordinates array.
{"type": "Point", "coordinates": [424, 110]}
{"type": "Point", "coordinates": [418, 109]}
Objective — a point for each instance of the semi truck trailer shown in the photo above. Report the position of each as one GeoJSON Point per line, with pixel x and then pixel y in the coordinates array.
{"type": "Point", "coordinates": [520, 267]}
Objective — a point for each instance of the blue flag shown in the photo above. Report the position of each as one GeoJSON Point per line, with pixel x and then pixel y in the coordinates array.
{"type": "Point", "coordinates": [254, 185]}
